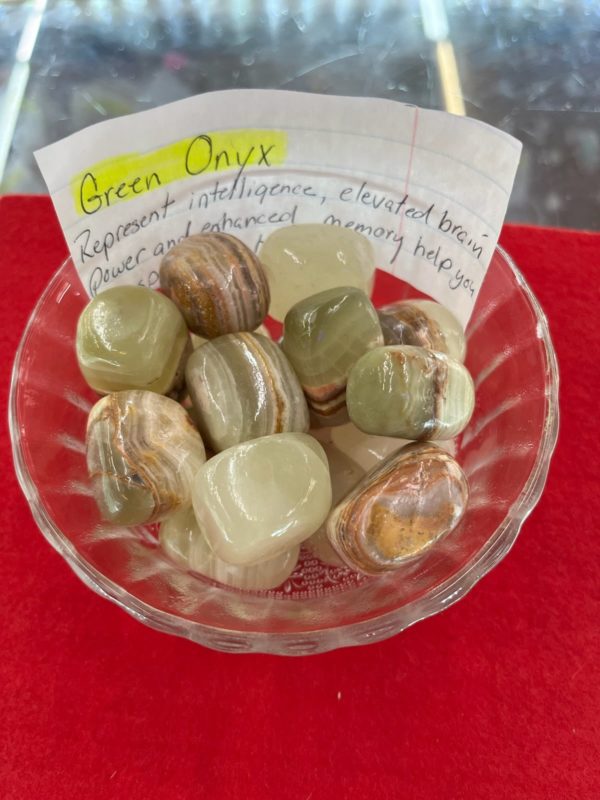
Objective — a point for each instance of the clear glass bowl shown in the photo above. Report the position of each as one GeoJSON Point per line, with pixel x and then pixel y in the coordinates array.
{"type": "Point", "coordinates": [505, 451]}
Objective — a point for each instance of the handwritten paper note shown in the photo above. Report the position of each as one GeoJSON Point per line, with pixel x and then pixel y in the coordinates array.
{"type": "Point", "coordinates": [429, 189]}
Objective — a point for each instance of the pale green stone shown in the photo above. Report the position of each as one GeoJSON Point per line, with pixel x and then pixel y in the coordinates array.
{"type": "Point", "coordinates": [301, 260]}
{"type": "Point", "coordinates": [142, 453]}
{"type": "Point", "coordinates": [242, 387]}
{"type": "Point", "coordinates": [423, 323]}
{"type": "Point", "coordinates": [410, 392]}
{"type": "Point", "coordinates": [263, 497]}
{"type": "Point", "coordinates": [198, 341]}
{"type": "Point", "coordinates": [323, 337]}
{"type": "Point", "coordinates": [181, 537]}
{"type": "Point", "coordinates": [130, 337]}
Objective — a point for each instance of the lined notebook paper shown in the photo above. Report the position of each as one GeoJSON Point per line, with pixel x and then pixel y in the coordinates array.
{"type": "Point", "coordinates": [429, 189]}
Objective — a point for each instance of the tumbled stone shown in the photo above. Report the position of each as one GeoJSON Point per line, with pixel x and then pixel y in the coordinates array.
{"type": "Point", "coordinates": [423, 323]}
{"type": "Point", "coordinates": [399, 509]}
{"type": "Point", "coordinates": [410, 392]}
{"type": "Point", "coordinates": [242, 386]}
{"type": "Point", "coordinates": [263, 497]}
{"type": "Point", "coordinates": [181, 537]}
{"type": "Point", "coordinates": [130, 337]}
{"type": "Point", "coordinates": [218, 284]}
{"type": "Point", "coordinates": [198, 341]}
{"type": "Point", "coordinates": [323, 337]}
{"type": "Point", "coordinates": [301, 260]}
{"type": "Point", "coordinates": [142, 454]}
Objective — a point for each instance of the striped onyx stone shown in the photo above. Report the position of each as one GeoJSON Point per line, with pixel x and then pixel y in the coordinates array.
{"type": "Point", "coordinates": [182, 539]}
{"type": "Point", "coordinates": [410, 392]}
{"type": "Point", "coordinates": [399, 509]}
{"type": "Point", "coordinates": [142, 454]}
{"type": "Point", "coordinates": [323, 337]}
{"type": "Point", "coordinates": [423, 323]}
{"type": "Point", "coordinates": [242, 387]}
{"type": "Point", "coordinates": [218, 284]}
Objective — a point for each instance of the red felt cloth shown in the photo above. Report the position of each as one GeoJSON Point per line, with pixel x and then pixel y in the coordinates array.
{"type": "Point", "coordinates": [496, 698]}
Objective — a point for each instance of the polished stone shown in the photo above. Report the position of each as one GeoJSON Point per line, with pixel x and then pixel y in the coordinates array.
{"type": "Point", "coordinates": [218, 284]}
{"type": "Point", "coordinates": [399, 509]}
{"type": "Point", "coordinates": [129, 337]}
{"type": "Point", "coordinates": [242, 387]}
{"type": "Point", "coordinates": [323, 337]}
{"type": "Point", "coordinates": [262, 497]}
{"type": "Point", "coordinates": [142, 454]}
{"type": "Point", "coordinates": [198, 341]}
{"type": "Point", "coordinates": [301, 260]}
{"type": "Point", "coordinates": [423, 323]}
{"type": "Point", "coordinates": [410, 392]}
{"type": "Point", "coordinates": [181, 537]}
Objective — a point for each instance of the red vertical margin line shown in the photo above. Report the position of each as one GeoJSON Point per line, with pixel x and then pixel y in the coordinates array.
{"type": "Point", "coordinates": [411, 152]}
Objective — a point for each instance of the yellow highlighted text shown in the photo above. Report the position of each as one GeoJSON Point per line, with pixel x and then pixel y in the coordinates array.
{"type": "Point", "coordinates": [125, 177]}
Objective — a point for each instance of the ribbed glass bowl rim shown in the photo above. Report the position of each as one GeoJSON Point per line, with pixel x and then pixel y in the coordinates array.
{"type": "Point", "coordinates": [317, 640]}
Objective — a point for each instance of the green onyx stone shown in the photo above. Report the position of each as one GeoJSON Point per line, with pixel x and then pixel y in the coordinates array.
{"type": "Point", "coordinates": [301, 260]}
{"type": "Point", "coordinates": [130, 337]}
{"type": "Point", "coordinates": [410, 392]}
{"type": "Point", "coordinates": [323, 337]}
{"type": "Point", "coordinates": [142, 454]}
{"type": "Point", "coordinates": [399, 509]}
{"type": "Point", "coordinates": [182, 539]}
{"type": "Point", "coordinates": [218, 284]}
{"type": "Point", "coordinates": [242, 386]}
{"type": "Point", "coordinates": [423, 323]}
{"type": "Point", "coordinates": [262, 498]}
{"type": "Point", "coordinates": [198, 341]}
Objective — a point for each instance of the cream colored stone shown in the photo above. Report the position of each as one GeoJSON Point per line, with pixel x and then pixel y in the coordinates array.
{"type": "Point", "coordinates": [301, 260]}
{"type": "Point", "coordinates": [184, 541]}
{"type": "Point", "coordinates": [262, 497]}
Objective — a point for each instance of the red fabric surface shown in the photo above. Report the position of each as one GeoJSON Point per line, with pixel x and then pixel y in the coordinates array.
{"type": "Point", "coordinates": [498, 697]}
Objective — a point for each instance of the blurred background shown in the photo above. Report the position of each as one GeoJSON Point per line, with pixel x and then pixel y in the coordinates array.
{"type": "Point", "coordinates": [529, 68]}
